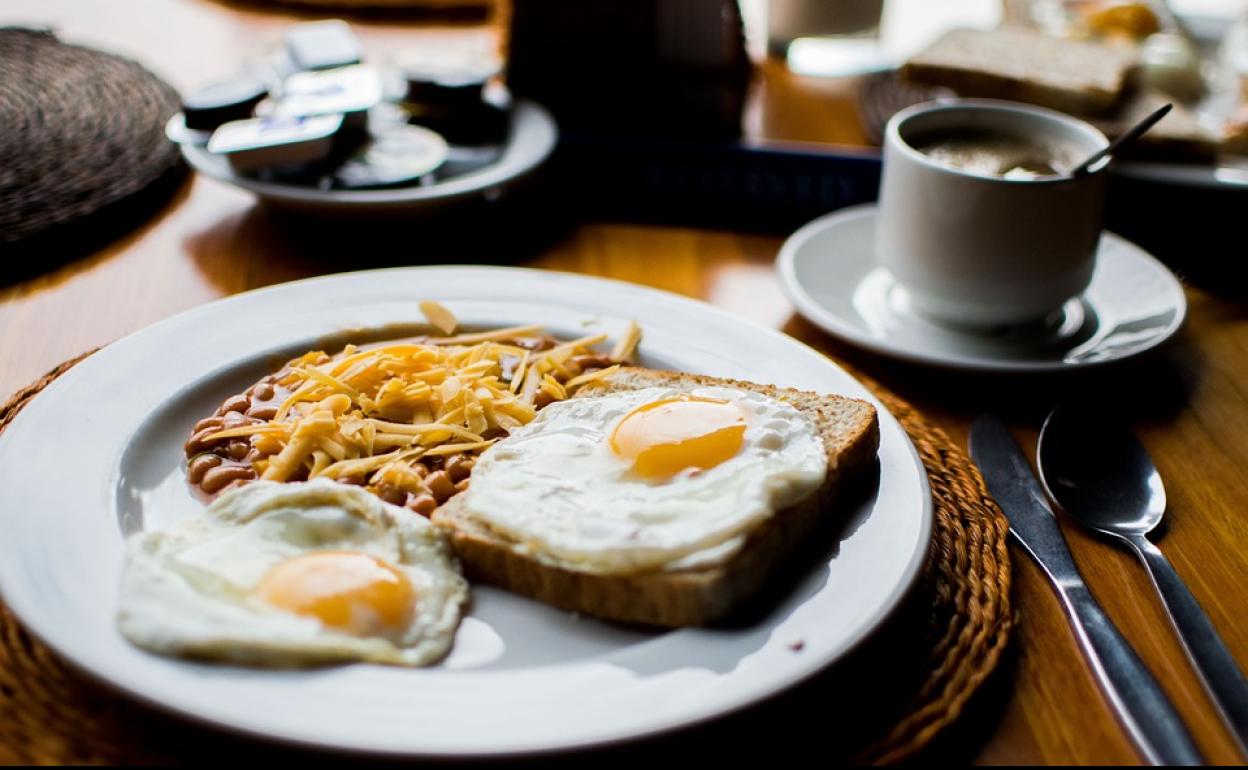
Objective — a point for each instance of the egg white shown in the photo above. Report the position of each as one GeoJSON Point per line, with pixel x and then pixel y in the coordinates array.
{"type": "Point", "coordinates": [188, 590]}
{"type": "Point", "coordinates": [556, 489]}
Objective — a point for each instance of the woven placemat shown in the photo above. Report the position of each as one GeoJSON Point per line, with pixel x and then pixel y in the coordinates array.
{"type": "Point", "coordinates": [80, 130]}
{"type": "Point", "coordinates": [883, 94]}
{"type": "Point", "coordinates": [51, 714]}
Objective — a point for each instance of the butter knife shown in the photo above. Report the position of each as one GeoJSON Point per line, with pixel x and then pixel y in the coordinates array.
{"type": "Point", "coordinates": [1139, 702]}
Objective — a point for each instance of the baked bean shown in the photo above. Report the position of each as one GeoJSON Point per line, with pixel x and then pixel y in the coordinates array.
{"type": "Point", "coordinates": [197, 467]}
{"type": "Point", "coordinates": [238, 449]}
{"type": "Point", "coordinates": [235, 420]}
{"type": "Point", "coordinates": [208, 422]}
{"type": "Point", "coordinates": [393, 495]}
{"type": "Point", "coordinates": [238, 403]}
{"type": "Point", "coordinates": [265, 413]}
{"type": "Point", "coordinates": [262, 391]}
{"type": "Point", "coordinates": [254, 454]}
{"type": "Point", "coordinates": [459, 466]}
{"type": "Point", "coordinates": [461, 485]}
{"type": "Point", "coordinates": [216, 478]}
{"type": "Point", "coordinates": [440, 485]}
{"type": "Point", "coordinates": [199, 442]}
{"type": "Point", "coordinates": [541, 399]}
{"type": "Point", "coordinates": [355, 480]}
{"type": "Point", "coordinates": [422, 504]}
{"type": "Point", "coordinates": [535, 344]}
{"type": "Point", "coordinates": [588, 362]}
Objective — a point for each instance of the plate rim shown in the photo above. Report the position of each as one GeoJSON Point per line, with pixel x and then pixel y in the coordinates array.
{"type": "Point", "coordinates": [910, 576]}
{"type": "Point", "coordinates": [814, 311]}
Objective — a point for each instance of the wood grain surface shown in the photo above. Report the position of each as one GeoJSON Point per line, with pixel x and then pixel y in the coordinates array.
{"type": "Point", "coordinates": [1188, 403]}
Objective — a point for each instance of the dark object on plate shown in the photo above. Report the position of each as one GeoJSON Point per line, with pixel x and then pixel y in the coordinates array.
{"type": "Point", "coordinates": [453, 95]}
{"type": "Point", "coordinates": [320, 45]}
{"type": "Point", "coordinates": [1104, 478]}
{"type": "Point", "coordinates": [483, 123]}
{"type": "Point", "coordinates": [206, 108]}
{"type": "Point", "coordinates": [447, 88]}
{"type": "Point", "coordinates": [83, 135]}
{"type": "Point", "coordinates": [633, 67]}
{"type": "Point", "coordinates": [395, 155]}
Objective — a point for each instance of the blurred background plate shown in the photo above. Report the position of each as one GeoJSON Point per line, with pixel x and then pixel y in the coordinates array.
{"type": "Point", "coordinates": [530, 139]}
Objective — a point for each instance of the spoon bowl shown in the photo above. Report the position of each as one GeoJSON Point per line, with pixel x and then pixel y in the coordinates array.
{"type": "Point", "coordinates": [1100, 473]}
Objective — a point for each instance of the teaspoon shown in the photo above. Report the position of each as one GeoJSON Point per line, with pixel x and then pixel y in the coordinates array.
{"type": "Point", "coordinates": [1104, 478]}
{"type": "Point", "coordinates": [1127, 137]}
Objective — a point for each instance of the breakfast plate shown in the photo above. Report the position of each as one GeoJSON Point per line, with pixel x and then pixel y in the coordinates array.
{"type": "Point", "coordinates": [540, 678]}
{"type": "Point", "coordinates": [828, 270]}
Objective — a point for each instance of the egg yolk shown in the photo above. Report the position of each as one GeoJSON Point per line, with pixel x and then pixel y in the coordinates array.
{"type": "Point", "coordinates": [665, 437]}
{"type": "Point", "coordinates": [348, 591]}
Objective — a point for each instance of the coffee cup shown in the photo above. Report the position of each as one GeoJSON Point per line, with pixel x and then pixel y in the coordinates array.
{"type": "Point", "coordinates": [979, 218]}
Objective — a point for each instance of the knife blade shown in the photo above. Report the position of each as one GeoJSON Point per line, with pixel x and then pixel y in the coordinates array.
{"type": "Point", "coordinates": [1138, 701]}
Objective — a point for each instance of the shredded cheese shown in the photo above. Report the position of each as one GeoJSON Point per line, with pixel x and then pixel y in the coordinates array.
{"type": "Point", "coordinates": [371, 413]}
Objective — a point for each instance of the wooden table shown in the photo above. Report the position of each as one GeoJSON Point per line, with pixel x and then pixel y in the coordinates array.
{"type": "Point", "coordinates": [1188, 404]}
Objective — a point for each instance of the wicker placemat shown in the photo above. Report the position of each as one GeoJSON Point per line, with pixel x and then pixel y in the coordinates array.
{"type": "Point", "coordinates": [883, 94]}
{"type": "Point", "coordinates": [80, 130]}
{"type": "Point", "coordinates": [51, 714]}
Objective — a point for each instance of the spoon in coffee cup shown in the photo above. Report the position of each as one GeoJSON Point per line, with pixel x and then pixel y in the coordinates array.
{"type": "Point", "coordinates": [1128, 136]}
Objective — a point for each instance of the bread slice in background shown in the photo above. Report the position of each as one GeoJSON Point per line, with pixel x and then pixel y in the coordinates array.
{"type": "Point", "coordinates": [849, 430]}
{"type": "Point", "coordinates": [1179, 136]}
{"type": "Point", "coordinates": [1026, 65]}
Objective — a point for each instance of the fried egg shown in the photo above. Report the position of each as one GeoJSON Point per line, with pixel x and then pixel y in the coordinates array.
{"type": "Point", "coordinates": [294, 574]}
{"type": "Point", "coordinates": [646, 479]}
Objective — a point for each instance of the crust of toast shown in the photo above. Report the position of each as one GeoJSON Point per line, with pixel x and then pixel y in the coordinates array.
{"type": "Point", "coordinates": [849, 429]}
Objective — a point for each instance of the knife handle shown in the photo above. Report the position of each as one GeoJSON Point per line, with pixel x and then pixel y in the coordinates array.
{"type": "Point", "coordinates": [1139, 701]}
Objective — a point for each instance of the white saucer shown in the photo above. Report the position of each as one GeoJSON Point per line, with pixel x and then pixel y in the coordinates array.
{"type": "Point", "coordinates": [828, 270]}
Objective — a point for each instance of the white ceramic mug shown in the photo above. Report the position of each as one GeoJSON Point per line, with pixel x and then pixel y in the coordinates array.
{"type": "Point", "coordinates": [981, 251]}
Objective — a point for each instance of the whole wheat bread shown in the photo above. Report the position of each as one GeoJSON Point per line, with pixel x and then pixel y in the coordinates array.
{"type": "Point", "coordinates": [1026, 65]}
{"type": "Point", "coordinates": [849, 430]}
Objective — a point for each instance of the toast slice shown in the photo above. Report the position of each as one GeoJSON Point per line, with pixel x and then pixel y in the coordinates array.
{"type": "Point", "coordinates": [1179, 136]}
{"type": "Point", "coordinates": [1027, 66]}
{"type": "Point", "coordinates": [849, 430]}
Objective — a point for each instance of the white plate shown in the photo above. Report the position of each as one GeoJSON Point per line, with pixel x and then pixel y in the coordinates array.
{"type": "Point", "coordinates": [531, 138]}
{"type": "Point", "coordinates": [99, 453]}
{"type": "Point", "coordinates": [829, 272]}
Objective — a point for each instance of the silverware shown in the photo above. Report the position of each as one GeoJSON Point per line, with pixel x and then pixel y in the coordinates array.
{"type": "Point", "coordinates": [1137, 699]}
{"type": "Point", "coordinates": [1103, 477]}
{"type": "Point", "coordinates": [1127, 137]}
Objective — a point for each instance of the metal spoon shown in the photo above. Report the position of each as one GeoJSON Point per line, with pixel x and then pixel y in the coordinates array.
{"type": "Point", "coordinates": [1128, 136]}
{"type": "Point", "coordinates": [1103, 477]}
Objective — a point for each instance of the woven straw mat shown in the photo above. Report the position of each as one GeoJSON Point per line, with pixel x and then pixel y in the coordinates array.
{"type": "Point", "coordinates": [51, 714]}
{"type": "Point", "coordinates": [79, 130]}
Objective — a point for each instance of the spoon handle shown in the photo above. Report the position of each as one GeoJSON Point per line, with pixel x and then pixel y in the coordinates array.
{"type": "Point", "coordinates": [1222, 676]}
